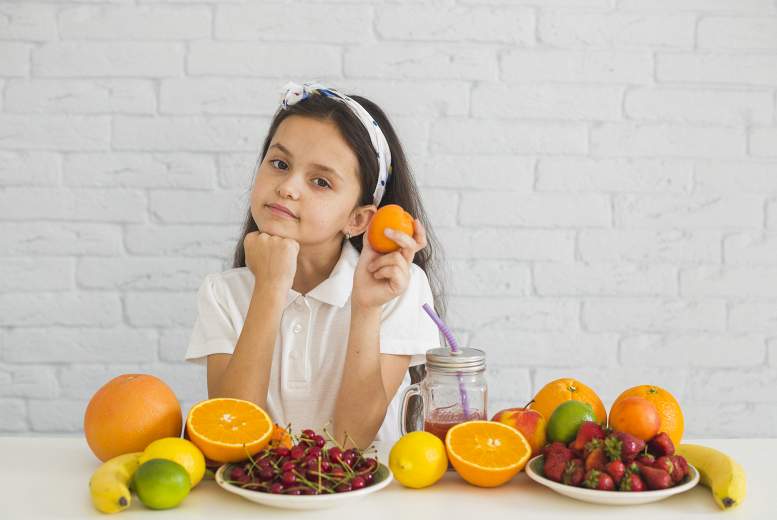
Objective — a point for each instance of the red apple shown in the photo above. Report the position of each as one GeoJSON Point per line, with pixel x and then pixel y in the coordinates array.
{"type": "Point", "coordinates": [530, 423]}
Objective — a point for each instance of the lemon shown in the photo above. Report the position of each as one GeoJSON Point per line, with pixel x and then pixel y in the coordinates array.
{"type": "Point", "coordinates": [418, 459]}
{"type": "Point", "coordinates": [566, 420]}
{"type": "Point", "coordinates": [161, 483]}
{"type": "Point", "coordinates": [178, 450]}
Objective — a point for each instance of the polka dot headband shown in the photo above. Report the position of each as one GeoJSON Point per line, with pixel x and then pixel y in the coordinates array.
{"type": "Point", "coordinates": [294, 93]}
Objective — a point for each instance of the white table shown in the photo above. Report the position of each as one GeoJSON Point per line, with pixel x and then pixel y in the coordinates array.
{"type": "Point", "coordinates": [47, 477]}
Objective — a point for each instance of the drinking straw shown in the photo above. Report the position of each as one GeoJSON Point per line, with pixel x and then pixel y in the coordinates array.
{"type": "Point", "coordinates": [454, 348]}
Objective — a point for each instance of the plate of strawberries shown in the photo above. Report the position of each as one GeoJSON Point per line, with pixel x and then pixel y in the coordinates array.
{"type": "Point", "coordinates": [606, 466]}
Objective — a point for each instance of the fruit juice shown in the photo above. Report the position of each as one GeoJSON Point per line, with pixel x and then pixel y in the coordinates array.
{"type": "Point", "coordinates": [443, 419]}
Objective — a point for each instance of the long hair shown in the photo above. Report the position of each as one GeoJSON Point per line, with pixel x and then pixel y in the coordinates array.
{"type": "Point", "coordinates": [401, 188]}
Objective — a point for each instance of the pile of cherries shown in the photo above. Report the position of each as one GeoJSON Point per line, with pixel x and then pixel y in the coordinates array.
{"type": "Point", "coordinates": [309, 467]}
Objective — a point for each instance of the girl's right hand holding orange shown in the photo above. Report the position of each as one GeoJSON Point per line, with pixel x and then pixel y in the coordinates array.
{"type": "Point", "coordinates": [272, 260]}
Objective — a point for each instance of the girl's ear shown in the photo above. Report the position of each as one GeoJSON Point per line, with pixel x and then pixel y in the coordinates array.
{"type": "Point", "coordinates": [360, 219]}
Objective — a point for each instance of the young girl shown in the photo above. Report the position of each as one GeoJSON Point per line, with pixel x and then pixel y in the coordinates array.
{"type": "Point", "coordinates": [312, 324]}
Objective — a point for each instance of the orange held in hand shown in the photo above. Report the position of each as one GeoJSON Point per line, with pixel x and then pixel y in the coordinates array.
{"type": "Point", "coordinates": [390, 216]}
{"type": "Point", "coordinates": [637, 416]}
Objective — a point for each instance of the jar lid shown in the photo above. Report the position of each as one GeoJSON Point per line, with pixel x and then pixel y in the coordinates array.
{"type": "Point", "coordinates": [443, 358]}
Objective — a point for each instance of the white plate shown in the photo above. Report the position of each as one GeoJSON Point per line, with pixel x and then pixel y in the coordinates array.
{"type": "Point", "coordinates": [613, 498]}
{"type": "Point", "coordinates": [383, 478]}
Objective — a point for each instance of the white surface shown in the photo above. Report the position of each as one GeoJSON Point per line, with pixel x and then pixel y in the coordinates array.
{"type": "Point", "coordinates": [48, 478]}
{"type": "Point", "coordinates": [612, 498]}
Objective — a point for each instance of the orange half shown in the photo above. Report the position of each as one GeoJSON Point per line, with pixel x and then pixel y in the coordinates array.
{"type": "Point", "coordinates": [228, 430]}
{"type": "Point", "coordinates": [486, 453]}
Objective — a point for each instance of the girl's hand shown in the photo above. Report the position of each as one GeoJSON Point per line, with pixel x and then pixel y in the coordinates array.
{"type": "Point", "coordinates": [379, 278]}
{"type": "Point", "coordinates": [272, 259]}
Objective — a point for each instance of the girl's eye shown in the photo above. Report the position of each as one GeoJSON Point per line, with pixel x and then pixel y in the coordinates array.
{"type": "Point", "coordinates": [277, 161]}
{"type": "Point", "coordinates": [322, 184]}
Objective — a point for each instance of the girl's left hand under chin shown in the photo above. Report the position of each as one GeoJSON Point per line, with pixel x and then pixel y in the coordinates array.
{"type": "Point", "coordinates": [379, 278]}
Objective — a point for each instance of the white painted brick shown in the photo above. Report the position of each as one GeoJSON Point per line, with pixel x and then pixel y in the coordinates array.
{"type": "Point", "coordinates": [672, 246]}
{"type": "Point", "coordinates": [729, 107]}
{"type": "Point", "coordinates": [542, 209]}
{"type": "Point", "coordinates": [415, 134]}
{"type": "Point", "coordinates": [191, 134]}
{"type": "Point", "coordinates": [529, 314]}
{"type": "Point", "coordinates": [506, 347]}
{"type": "Point", "coordinates": [135, 274]}
{"type": "Point", "coordinates": [737, 33]}
{"type": "Point", "coordinates": [57, 415]}
{"type": "Point", "coordinates": [54, 238]}
{"type": "Point", "coordinates": [692, 350]}
{"type": "Point", "coordinates": [508, 387]}
{"type": "Point", "coordinates": [763, 142]}
{"type": "Point", "coordinates": [729, 420]}
{"type": "Point", "coordinates": [515, 244]}
{"type": "Point", "coordinates": [54, 132]}
{"type": "Point", "coordinates": [187, 380]}
{"type": "Point", "coordinates": [430, 23]}
{"type": "Point", "coordinates": [494, 277]}
{"type": "Point", "coordinates": [493, 136]}
{"type": "Point", "coordinates": [173, 344]}
{"type": "Point", "coordinates": [754, 385]}
{"type": "Point", "coordinates": [771, 214]}
{"type": "Point", "coordinates": [771, 346]}
{"type": "Point", "coordinates": [218, 96]}
{"type": "Point", "coordinates": [652, 315]}
{"type": "Point", "coordinates": [753, 317]}
{"type": "Point", "coordinates": [125, 59]}
{"type": "Point", "coordinates": [218, 207]}
{"type": "Point", "coordinates": [80, 345]}
{"type": "Point", "coordinates": [29, 382]}
{"type": "Point", "coordinates": [732, 68]}
{"type": "Point", "coordinates": [196, 240]}
{"type": "Point", "coordinates": [28, 22]}
{"type": "Point", "coordinates": [623, 30]}
{"type": "Point", "coordinates": [576, 174]}
{"type": "Point", "coordinates": [107, 205]}
{"type": "Point", "coordinates": [568, 279]}
{"type": "Point", "coordinates": [14, 414]}
{"type": "Point", "coordinates": [611, 66]}
{"type": "Point", "coordinates": [672, 140]}
{"type": "Point", "coordinates": [146, 23]}
{"type": "Point", "coordinates": [441, 206]}
{"type": "Point", "coordinates": [413, 98]}
{"type": "Point", "coordinates": [57, 309]}
{"type": "Point", "coordinates": [422, 61]}
{"type": "Point", "coordinates": [295, 22]}
{"type": "Point", "coordinates": [731, 281]}
{"type": "Point", "coordinates": [752, 248]}
{"type": "Point", "coordinates": [766, 6]}
{"type": "Point", "coordinates": [36, 274]}
{"type": "Point", "coordinates": [480, 172]}
{"type": "Point", "coordinates": [237, 170]}
{"type": "Point", "coordinates": [262, 59]}
{"type": "Point", "coordinates": [163, 309]}
{"type": "Point", "coordinates": [14, 58]}
{"type": "Point", "coordinates": [29, 168]}
{"type": "Point", "coordinates": [735, 177]}
{"type": "Point", "coordinates": [547, 101]}
{"type": "Point", "coordinates": [80, 96]}
{"type": "Point", "coordinates": [542, 3]}
{"type": "Point", "coordinates": [703, 211]}
{"type": "Point", "coordinates": [140, 170]}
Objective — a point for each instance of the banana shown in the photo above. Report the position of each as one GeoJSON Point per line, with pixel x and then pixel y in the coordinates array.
{"type": "Point", "coordinates": [109, 485]}
{"type": "Point", "coordinates": [717, 471]}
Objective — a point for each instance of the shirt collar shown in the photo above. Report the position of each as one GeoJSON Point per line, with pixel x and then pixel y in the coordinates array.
{"type": "Point", "coordinates": [336, 289]}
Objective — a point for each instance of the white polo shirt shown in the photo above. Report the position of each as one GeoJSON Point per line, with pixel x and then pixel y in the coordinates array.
{"type": "Point", "coordinates": [310, 349]}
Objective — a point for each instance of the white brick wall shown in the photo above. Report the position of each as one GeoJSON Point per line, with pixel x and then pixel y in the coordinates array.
{"type": "Point", "coordinates": [602, 174]}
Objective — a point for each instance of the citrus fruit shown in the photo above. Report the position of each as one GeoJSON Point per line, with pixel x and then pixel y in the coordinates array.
{"type": "Point", "coordinates": [486, 453]}
{"type": "Point", "coordinates": [668, 409]}
{"type": "Point", "coordinates": [128, 413]}
{"type": "Point", "coordinates": [228, 430]}
{"type": "Point", "coordinates": [635, 415]}
{"type": "Point", "coordinates": [567, 389]}
{"type": "Point", "coordinates": [281, 437]}
{"type": "Point", "coordinates": [418, 459]}
{"type": "Point", "coordinates": [161, 483]}
{"type": "Point", "coordinates": [389, 216]}
{"type": "Point", "coordinates": [566, 420]}
{"type": "Point", "coordinates": [178, 450]}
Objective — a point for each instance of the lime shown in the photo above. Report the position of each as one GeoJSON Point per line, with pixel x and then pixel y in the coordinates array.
{"type": "Point", "coordinates": [418, 459]}
{"type": "Point", "coordinates": [161, 483]}
{"type": "Point", "coordinates": [178, 450]}
{"type": "Point", "coordinates": [566, 420]}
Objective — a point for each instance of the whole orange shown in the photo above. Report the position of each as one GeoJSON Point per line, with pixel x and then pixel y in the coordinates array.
{"type": "Point", "coordinates": [389, 216]}
{"type": "Point", "coordinates": [672, 421]}
{"type": "Point", "coordinates": [128, 413]}
{"type": "Point", "coordinates": [635, 415]}
{"type": "Point", "coordinates": [556, 392]}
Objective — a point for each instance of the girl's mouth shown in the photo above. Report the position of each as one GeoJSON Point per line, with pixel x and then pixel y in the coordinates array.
{"type": "Point", "coordinates": [281, 211]}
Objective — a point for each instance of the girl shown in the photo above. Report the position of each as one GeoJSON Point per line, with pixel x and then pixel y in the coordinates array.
{"type": "Point", "coordinates": [312, 324]}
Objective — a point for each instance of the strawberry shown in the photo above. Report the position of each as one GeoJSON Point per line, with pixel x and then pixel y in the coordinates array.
{"type": "Point", "coordinates": [616, 469]}
{"type": "Point", "coordinates": [597, 459]}
{"type": "Point", "coordinates": [595, 479]}
{"type": "Point", "coordinates": [592, 445]}
{"type": "Point", "coordinates": [587, 432]}
{"type": "Point", "coordinates": [682, 465]}
{"type": "Point", "coordinates": [667, 464]}
{"type": "Point", "coordinates": [573, 472]}
{"type": "Point", "coordinates": [655, 478]}
{"type": "Point", "coordinates": [646, 458]}
{"type": "Point", "coordinates": [631, 482]}
{"type": "Point", "coordinates": [555, 462]}
{"type": "Point", "coordinates": [553, 446]}
{"type": "Point", "coordinates": [623, 446]}
{"type": "Point", "coordinates": [661, 444]}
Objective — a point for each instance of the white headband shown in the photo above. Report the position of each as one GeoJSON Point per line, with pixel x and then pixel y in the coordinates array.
{"type": "Point", "coordinates": [293, 93]}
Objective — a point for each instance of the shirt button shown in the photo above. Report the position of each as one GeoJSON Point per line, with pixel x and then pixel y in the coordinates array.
{"type": "Point", "coordinates": [297, 328]}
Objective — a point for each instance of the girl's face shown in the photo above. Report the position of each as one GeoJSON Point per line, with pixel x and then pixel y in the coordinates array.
{"type": "Point", "coordinates": [310, 171]}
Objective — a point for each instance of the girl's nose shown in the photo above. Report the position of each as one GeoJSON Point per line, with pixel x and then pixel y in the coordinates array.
{"type": "Point", "coordinates": [287, 189]}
